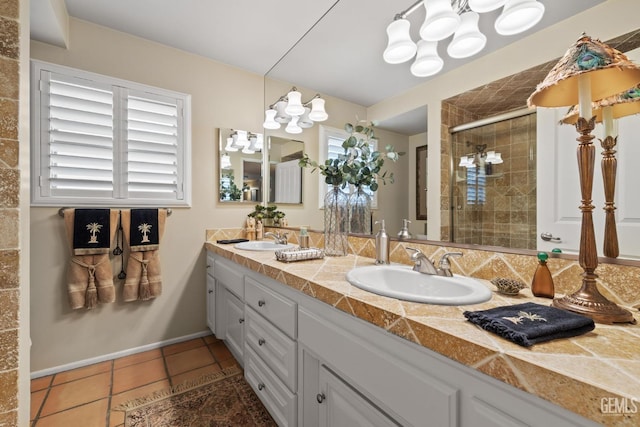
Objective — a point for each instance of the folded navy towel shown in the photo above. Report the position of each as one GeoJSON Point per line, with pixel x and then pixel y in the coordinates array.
{"type": "Point", "coordinates": [144, 234]}
{"type": "Point", "coordinates": [91, 231]}
{"type": "Point", "coordinates": [529, 323]}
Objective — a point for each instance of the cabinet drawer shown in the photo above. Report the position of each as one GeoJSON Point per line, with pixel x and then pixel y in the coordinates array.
{"type": "Point", "coordinates": [276, 349]}
{"type": "Point", "coordinates": [277, 309]}
{"type": "Point", "coordinates": [231, 279]}
{"type": "Point", "coordinates": [278, 400]}
{"type": "Point", "coordinates": [210, 262]}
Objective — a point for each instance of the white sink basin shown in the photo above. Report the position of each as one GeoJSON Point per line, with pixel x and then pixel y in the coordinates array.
{"type": "Point", "coordinates": [262, 245]}
{"type": "Point", "coordinates": [403, 283]}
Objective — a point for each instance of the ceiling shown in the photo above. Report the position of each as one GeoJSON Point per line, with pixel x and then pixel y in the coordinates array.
{"type": "Point", "coordinates": [331, 46]}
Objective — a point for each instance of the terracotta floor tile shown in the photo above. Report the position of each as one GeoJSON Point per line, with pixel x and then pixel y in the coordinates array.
{"type": "Point", "coordinates": [137, 358]}
{"type": "Point", "coordinates": [90, 415]}
{"type": "Point", "coordinates": [145, 390]}
{"type": "Point", "coordinates": [195, 374]}
{"type": "Point", "coordinates": [138, 375]}
{"type": "Point", "coordinates": [182, 346]}
{"type": "Point", "coordinates": [83, 372]}
{"type": "Point", "coordinates": [37, 397]}
{"type": "Point", "coordinates": [41, 383]}
{"type": "Point", "coordinates": [78, 392]}
{"type": "Point", "coordinates": [116, 419]}
{"type": "Point", "coordinates": [188, 360]}
{"type": "Point", "coordinates": [228, 363]}
{"type": "Point", "coordinates": [220, 351]}
{"type": "Point", "coordinates": [210, 339]}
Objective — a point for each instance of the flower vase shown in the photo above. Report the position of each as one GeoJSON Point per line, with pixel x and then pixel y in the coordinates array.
{"type": "Point", "coordinates": [336, 222]}
{"type": "Point", "coordinates": [360, 212]}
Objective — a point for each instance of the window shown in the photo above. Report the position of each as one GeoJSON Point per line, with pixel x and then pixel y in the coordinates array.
{"type": "Point", "coordinates": [331, 140]}
{"type": "Point", "coordinates": [100, 141]}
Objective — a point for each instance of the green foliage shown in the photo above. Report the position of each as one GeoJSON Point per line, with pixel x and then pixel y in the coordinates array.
{"type": "Point", "coordinates": [267, 212]}
{"type": "Point", "coordinates": [230, 191]}
{"type": "Point", "coordinates": [359, 165]}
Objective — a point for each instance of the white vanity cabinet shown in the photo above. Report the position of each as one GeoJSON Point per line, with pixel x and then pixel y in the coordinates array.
{"type": "Point", "coordinates": [229, 306]}
{"type": "Point", "coordinates": [211, 293]}
{"type": "Point", "coordinates": [314, 365]}
{"type": "Point", "coordinates": [271, 350]}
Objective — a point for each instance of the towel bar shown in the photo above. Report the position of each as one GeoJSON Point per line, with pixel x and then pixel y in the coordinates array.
{"type": "Point", "coordinates": [61, 211]}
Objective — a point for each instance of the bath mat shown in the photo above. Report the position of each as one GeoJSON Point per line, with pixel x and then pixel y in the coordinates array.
{"type": "Point", "coordinates": [221, 399]}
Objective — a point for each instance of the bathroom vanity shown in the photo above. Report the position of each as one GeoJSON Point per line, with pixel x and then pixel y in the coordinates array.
{"type": "Point", "coordinates": [319, 351]}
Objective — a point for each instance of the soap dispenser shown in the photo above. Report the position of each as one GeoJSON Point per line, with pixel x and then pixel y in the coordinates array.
{"type": "Point", "coordinates": [542, 283]}
{"type": "Point", "coordinates": [382, 244]}
{"type": "Point", "coordinates": [404, 232]}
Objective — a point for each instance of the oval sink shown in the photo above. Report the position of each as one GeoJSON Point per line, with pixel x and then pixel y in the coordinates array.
{"type": "Point", "coordinates": [403, 283]}
{"type": "Point", "coordinates": [262, 245]}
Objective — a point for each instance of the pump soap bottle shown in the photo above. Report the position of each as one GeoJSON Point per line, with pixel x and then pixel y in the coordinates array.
{"type": "Point", "coordinates": [382, 244]}
{"type": "Point", "coordinates": [404, 232]}
{"type": "Point", "coordinates": [542, 283]}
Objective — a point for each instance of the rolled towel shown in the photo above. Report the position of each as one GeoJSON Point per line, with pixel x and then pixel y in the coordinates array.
{"type": "Point", "coordinates": [143, 229]}
{"type": "Point", "coordinates": [529, 323]}
{"type": "Point", "coordinates": [89, 275]}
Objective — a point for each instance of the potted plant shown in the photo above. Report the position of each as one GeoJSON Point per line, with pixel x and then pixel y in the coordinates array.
{"type": "Point", "coordinates": [268, 215]}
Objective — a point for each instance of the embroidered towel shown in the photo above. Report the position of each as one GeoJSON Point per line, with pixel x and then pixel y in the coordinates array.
{"type": "Point", "coordinates": [143, 229]}
{"type": "Point", "coordinates": [89, 276]}
{"type": "Point", "coordinates": [529, 323]}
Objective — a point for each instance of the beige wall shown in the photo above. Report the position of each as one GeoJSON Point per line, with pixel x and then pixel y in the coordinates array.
{"type": "Point", "coordinates": [605, 21]}
{"type": "Point", "coordinates": [222, 96]}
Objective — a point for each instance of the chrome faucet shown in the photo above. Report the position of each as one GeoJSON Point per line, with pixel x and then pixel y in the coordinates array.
{"type": "Point", "coordinates": [280, 239]}
{"type": "Point", "coordinates": [424, 265]}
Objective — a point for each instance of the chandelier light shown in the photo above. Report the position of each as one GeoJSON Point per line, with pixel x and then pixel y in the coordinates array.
{"type": "Point", "coordinates": [297, 115]}
{"type": "Point", "coordinates": [459, 18]}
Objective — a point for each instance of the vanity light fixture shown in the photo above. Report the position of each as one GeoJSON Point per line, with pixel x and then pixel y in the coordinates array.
{"type": "Point", "coordinates": [296, 114]}
{"type": "Point", "coordinates": [460, 18]}
{"type": "Point", "coordinates": [247, 142]}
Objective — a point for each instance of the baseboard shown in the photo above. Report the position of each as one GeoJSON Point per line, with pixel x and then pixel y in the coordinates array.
{"type": "Point", "coordinates": [118, 354]}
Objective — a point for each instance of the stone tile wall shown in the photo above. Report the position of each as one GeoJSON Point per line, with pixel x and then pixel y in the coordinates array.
{"type": "Point", "coordinates": [9, 213]}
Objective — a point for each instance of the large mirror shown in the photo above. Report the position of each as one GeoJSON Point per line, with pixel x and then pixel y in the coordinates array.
{"type": "Point", "coordinates": [240, 156]}
{"type": "Point", "coordinates": [472, 103]}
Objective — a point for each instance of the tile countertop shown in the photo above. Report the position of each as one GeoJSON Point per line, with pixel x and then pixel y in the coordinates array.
{"type": "Point", "coordinates": [576, 373]}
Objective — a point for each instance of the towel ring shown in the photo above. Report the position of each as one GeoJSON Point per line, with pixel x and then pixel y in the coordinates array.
{"type": "Point", "coordinates": [61, 211]}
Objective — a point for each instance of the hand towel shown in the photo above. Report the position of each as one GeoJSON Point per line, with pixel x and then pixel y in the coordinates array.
{"type": "Point", "coordinates": [529, 323]}
{"type": "Point", "coordinates": [89, 277]}
{"type": "Point", "coordinates": [143, 229]}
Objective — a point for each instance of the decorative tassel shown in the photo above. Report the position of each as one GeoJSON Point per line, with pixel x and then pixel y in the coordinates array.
{"type": "Point", "coordinates": [91, 296]}
{"type": "Point", "coordinates": [145, 289]}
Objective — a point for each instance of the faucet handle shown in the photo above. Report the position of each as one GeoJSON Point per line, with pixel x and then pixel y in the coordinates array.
{"type": "Point", "coordinates": [415, 254]}
{"type": "Point", "coordinates": [444, 264]}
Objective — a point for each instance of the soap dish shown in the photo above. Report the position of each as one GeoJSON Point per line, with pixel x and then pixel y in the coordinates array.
{"type": "Point", "coordinates": [508, 286]}
{"type": "Point", "coordinates": [299, 254]}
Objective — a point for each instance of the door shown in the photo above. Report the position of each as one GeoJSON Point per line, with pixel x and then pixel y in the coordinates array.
{"type": "Point", "coordinates": [341, 405]}
{"type": "Point", "coordinates": [233, 324]}
{"type": "Point", "coordinates": [211, 303]}
{"type": "Point", "coordinates": [559, 194]}
{"type": "Point", "coordinates": [288, 183]}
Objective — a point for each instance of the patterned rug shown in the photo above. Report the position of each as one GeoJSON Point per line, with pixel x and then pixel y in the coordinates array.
{"type": "Point", "coordinates": [222, 399]}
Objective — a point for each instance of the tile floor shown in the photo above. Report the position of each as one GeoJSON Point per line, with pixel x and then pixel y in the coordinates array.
{"type": "Point", "coordinates": [84, 397]}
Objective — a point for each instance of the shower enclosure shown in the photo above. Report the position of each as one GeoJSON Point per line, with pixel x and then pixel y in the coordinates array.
{"type": "Point", "coordinates": [493, 182]}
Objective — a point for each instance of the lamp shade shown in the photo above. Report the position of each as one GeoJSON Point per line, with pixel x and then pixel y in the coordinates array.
{"type": "Point", "coordinates": [225, 161]}
{"type": "Point", "coordinates": [294, 104]}
{"type": "Point", "coordinates": [281, 115]}
{"type": "Point", "coordinates": [318, 113]}
{"type": "Point", "coordinates": [623, 104]}
{"type": "Point", "coordinates": [482, 6]}
{"type": "Point", "coordinates": [440, 22]}
{"type": "Point", "coordinates": [304, 121]}
{"type": "Point", "coordinates": [468, 40]}
{"type": "Point", "coordinates": [427, 61]}
{"type": "Point", "coordinates": [269, 120]}
{"type": "Point", "coordinates": [293, 127]}
{"type": "Point", "coordinates": [518, 16]}
{"type": "Point", "coordinates": [230, 145]}
{"type": "Point", "coordinates": [610, 72]}
{"type": "Point", "coordinates": [400, 47]}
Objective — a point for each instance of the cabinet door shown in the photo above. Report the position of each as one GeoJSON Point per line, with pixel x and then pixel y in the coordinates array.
{"type": "Point", "coordinates": [341, 405]}
{"type": "Point", "coordinates": [211, 303]}
{"type": "Point", "coordinates": [233, 324]}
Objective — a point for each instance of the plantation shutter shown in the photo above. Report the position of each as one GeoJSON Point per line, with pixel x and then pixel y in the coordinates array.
{"type": "Point", "coordinates": [153, 161]}
{"type": "Point", "coordinates": [77, 137]}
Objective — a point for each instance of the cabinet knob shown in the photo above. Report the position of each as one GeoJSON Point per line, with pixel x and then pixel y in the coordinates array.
{"type": "Point", "coordinates": [210, 291]}
{"type": "Point", "coordinates": [261, 303]}
{"type": "Point", "coordinates": [261, 341]}
{"type": "Point", "coordinates": [320, 397]}
{"type": "Point", "coordinates": [261, 386]}
{"type": "Point", "coordinates": [241, 320]}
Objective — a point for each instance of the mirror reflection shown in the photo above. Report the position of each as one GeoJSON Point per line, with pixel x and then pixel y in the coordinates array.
{"type": "Point", "coordinates": [285, 176]}
{"type": "Point", "coordinates": [240, 161]}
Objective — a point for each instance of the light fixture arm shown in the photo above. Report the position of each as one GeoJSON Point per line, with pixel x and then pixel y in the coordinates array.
{"type": "Point", "coordinates": [458, 6]}
{"type": "Point", "coordinates": [306, 104]}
